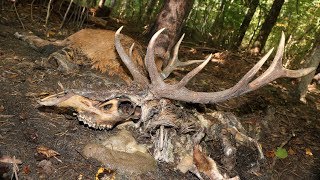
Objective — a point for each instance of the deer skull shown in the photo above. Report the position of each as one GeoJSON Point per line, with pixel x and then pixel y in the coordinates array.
{"type": "Point", "coordinates": [94, 113]}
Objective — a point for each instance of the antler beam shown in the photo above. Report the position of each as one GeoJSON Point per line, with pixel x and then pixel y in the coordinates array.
{"type": "Point", "coordinates": [160, 89]}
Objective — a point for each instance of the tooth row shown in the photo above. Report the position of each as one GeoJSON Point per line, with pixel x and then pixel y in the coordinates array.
{"type": "Point", "coordinates": [87, 120]}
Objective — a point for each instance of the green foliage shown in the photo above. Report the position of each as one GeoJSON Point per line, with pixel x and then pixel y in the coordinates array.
{"type": "Point", "coordinates": [281, 153]}
{"type": "Point", "coordinates": [300, 22]}
{"type": "Point", "coordinates": [218, 21]}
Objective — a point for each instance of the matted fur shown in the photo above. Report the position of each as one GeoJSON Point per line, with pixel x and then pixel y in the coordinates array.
{"type": "Point", "coordinates": [98, 46]}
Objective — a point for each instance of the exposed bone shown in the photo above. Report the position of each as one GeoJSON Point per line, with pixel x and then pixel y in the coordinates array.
{"type": "Point", "coordinates": [99, 115]}
{"type": "Point", "coordinates": [163, 147]}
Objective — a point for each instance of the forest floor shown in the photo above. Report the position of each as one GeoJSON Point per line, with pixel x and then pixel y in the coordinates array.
{"type": "Point", "coordinates": [23, 127]}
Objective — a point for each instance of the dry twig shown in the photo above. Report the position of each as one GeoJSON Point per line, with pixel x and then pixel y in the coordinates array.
{"type": "Point", "coordinates": [48, 13]}
{"type": "Point", "coordinates": [15, 9]}
{"type": "Point", "coordinates": [31, 9]}
{"type": "Point", "coordinates": [65, 15]}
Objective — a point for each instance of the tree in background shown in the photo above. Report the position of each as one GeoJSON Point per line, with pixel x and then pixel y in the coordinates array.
{"type": "Point", "coordinates": [314, 61]}
{"type": "Point", "coordinates": [218, 24]}
{"type": "Point", "coordinates": [171, 17]}
{"type": "Point", "coordinates": [253, 4]}
{"type": "Point", "coordinates": [268, 24]}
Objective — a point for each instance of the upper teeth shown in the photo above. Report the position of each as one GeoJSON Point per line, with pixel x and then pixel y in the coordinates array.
{"type": "Point", "coordinates": [87, 120]}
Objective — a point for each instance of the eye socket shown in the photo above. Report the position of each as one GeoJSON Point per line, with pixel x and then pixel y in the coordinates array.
{"type": "Point", "coordinates": [126, 108]}
{"type": "Point", "coordinates": [107, 106]}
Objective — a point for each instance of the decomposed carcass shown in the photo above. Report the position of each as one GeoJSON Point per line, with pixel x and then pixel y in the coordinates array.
{"type": "Point", "coordinates": [152, 103]}
{"type": "Point", "coordinates": [106, 109]}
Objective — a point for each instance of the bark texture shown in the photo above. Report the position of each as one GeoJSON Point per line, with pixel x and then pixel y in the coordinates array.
{"type": "Point", "coordinates": [268, 24]}
{"type": "Point", "coordinates": [171, 17]}
{"type": "Point", "coordinates": [245, 23]}
{"type": "Point", "coordinates": [314, 61]}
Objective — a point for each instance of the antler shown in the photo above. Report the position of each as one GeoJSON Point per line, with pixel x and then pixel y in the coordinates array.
{"type": "Point", "coordinates": [137, 75]}
{"type": "Point", "coordinates": [174, 61]}
{"type": "Point", "coordinates": [160, 89]}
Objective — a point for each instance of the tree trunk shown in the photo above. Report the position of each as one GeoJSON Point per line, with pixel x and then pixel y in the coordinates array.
{"type": "Point", "coordinates": [171, 17]}
{"type": "Point", "coordinates": [217, 26]}
{"type": "Point", "coordinates": [268, 24]}
{"type": "Point", "coordinates": [245, 23]}
{"type": "Point", "coordinates": [314, 61]}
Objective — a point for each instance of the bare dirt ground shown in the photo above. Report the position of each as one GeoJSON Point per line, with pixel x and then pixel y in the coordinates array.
{"type": "Point", "coordinates": [272, 111]}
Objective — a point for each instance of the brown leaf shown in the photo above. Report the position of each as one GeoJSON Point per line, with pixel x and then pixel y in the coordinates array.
{"type": "Point", "coordinates": [207, 165]}
{"type": "Point", "coordinates": [270, 154]}
{"type": "Point", "coordinates": [47, 152]}
{"type": "Point", "coordinates": [200, 160]}
{"type": "Point", "coordinates": [26, 169]}
{"type": "Point", "coordinates": [291, 152]}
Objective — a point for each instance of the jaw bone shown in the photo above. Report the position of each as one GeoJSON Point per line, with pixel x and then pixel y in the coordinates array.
{"type": "Point", "coordinates": [96, 114]}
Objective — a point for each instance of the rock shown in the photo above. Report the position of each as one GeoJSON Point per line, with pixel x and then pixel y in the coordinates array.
{"type": "Point", "coordinates": [122, 152]}
{"type": "Point", "coordinates": [124, 142]}
{"type": "Point", "coordinates": [128, 163]}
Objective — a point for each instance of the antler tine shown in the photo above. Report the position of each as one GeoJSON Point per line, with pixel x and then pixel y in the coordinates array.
{"type": "Point", "coordinates": [137, 76]}
{"type": "Point", "coordinates": [150, 63]}
{"type": "Point", "coordinates": [131, 50]}
{"type": "Point", "coordinates": [242, 85]}
{"type": "Point", "coordinates": [174, 61]}
{"type": "Point", "coordinates": [179, 92]}
{"type": "Point", "coordinates": [276, 70]}
{"type": "Point", "coordinates": [192, 73]}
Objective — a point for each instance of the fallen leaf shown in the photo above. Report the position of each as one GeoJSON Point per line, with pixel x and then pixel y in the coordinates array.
{"type": "Point", "coordinates": [291, 152]}
{"type": "Point", "coordinates": [200, 160]}
{"type": "Point", "coordinates": [207, 165]}
{"type": "Point", "coordinates": [105, 173]}
{"type": "Point", "coordinates": [281, 153]}
{"type": "Point", "coordinates": [50, 33]}
{"type": "Point", "coordinates": [26, 169]}
{"type": "Point", "coordinates": [270, 154]}
{"type": "Point", "coordinates": [193, 51]}
{"type": "Point", "coordinates": [47, 151]}
{"type": "Point", "coordinates": [309, 152]}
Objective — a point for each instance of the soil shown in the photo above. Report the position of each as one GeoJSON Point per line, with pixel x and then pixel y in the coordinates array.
{"type": "Point", "coordinates": [271, 114]}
